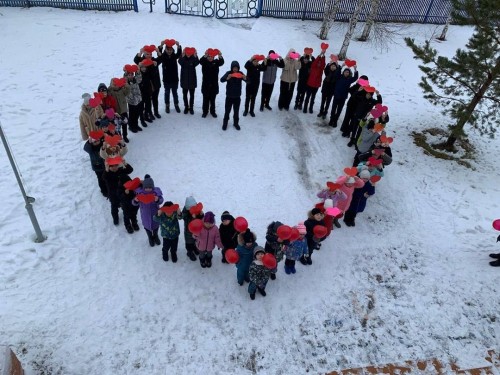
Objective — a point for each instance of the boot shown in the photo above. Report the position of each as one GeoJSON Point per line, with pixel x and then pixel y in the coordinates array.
{"type": "Point", "coordinates": [129, 228]}
{"type": "Point", "coordinates": [224, 125]}
{"type": "Point", "coordinates": [252, 113]}
{"type": "Point", "coordinates": [303, 260]}
{"type": "Point", "coordinates": [293, 269]}
{"type": "Point", "coordinates": [167, 108]}
{"type": "Point", "coordinates": [320, 114]}
{"type": "Point", "coordinates": [252, 296]}
{"type": "Point", "coordinates": [237, 127]}
{"type": "Point", "coordinates": [174, 256]}
{"type": "Point", "coordinates": [495, 263]}
{"type": "Point", "coordinates": [273, 276]}
{"type": "Point", "coordinates": [268, 107]}
{"type": "Point", "coordinates": [125, 138]}
{"type": "Point", "coordinates": [261, 108]}
{"type": "Point", "coordinates": [150, 238]}
{"type": "Point", "coordinates": [156, 238]}
{"type": "Point", "coordinates": [208, 262]}
{"type": "Point", "coordinates": [191, 256]}
{"type": "Point", "coordinates": [309, 260]}
{"type": "Point", "coordinates": [165, 256]}
{"type": "Point", "coordinates": [351, 143]}
{"type": "Point", "coordinates": [214, 114]}
{"type": "Point", "coordinates": [144, 125]}
{"type": "Point", "coordinates": [311, 108]}
{"type": "Point", "coordinates": [288, 270]}
{"type": "Point", "coordinates": [135, 225]}
{"type": "Point", "coordinates": [495, 256]}
{"type": "Point", "coordinates": [186, 110]}
{"type": "Point", "coordinates": [191, 110]}
{"type": "Point", "coordinates": [202, 263]}
{"type": "Point", "coordinates": [336, 223]}
{"type": "Point", "coordinates": [157, 115]}
{"type": "Point", "coordinates": [177, 108]}
{"type": "Point", "coordinates": [204, 115]}
{"type": "Point", "coordinates": [245, 112]}
{"type": "Point", "coordinates": [262, 291]}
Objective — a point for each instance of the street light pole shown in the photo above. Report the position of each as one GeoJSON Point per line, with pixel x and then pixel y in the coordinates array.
{"type": "Point", "coordinates": [28, 200]}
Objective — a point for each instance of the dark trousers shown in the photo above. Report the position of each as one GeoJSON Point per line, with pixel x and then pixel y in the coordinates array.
{"type": "Point", "coordinates": [130, 216]}
{"type": "Point", "coordinates": [134, 113]}
{"type": "Point", "coordinates": [301, 91]}
{"type": "Point", "coordinates": [234, 104]}
{"type": "Point", "coordinates": [209, 102]}
{"type": "Point", "coordinates": [169, 244]}
{"type": "Point", "coordinates": [289, 263]}
{"type": "Point", "coordinates": [125, 124]}
{"type": "Point", "coordinates": [148, 110]}
{"type": "Point", "coordinates": [102, 184]}
{"type": "Point", "coordinates": [337, 106]}
{"type": "Point", "coordinates": [251, 94]}
{"type": "Point", "coordinates": [115, 205]}
{"type": "Point", "coordinates": [171, 87]}
{"type": "Point", "coordinates": [191, 248]}
{"type": "Point", "coordinates": [188, 103]}
{"type": "Point", "coordinates": [286, 94]}
{"type": "Point", "coordinates": [325, 103]}
{"type": "Point", "coordinates": [350, 216]}
{"type": "Point", "coordinates": [354, 128]}
{"type": "Point", "coordinates": [349, 113]}
{"type": "Point", "coordinates": [310, 95]}
{"type": "Point", "coordinates": [154, 99]}
{"type": "Point", "coordinates": [267, 90]}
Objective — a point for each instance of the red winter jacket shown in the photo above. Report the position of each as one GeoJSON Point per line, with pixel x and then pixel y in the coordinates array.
{"type": "Point", "coordinates": [316, 73]}
{"type": "Point", "coordinates": [109, 102]}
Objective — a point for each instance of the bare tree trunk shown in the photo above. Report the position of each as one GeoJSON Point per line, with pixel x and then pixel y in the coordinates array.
{"type": "Point", "coordinates": [331, 9]}
{"type": "Point", "coordinates": [370, 20]}
{"type": "Point", "coordinates": [445, 30]}
{"type": "Point", "coordinates": [352, 27]}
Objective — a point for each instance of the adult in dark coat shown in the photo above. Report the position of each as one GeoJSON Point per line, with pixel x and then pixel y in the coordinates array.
{"type": "Point", "coordinates": [112, 177]}
{"type": "Point", "coordinates": [129, 209]}
{"type": "Point", "coordinates": [189, 81]}
{"type": "Point", "coordinates": [228, 235]}
{"type": "Point", "coordinates": [305, 68]}
{"type": "Point", "coordinates": [364, 104]}
{"type": "Point", "coordinates": [351, 106]}
{"type": "Point", "coordinates": [154, 73]}
{"type": "Point", "coordinates": [315, 218]}
{"type": "Point", "coordinates": [170, 73]}
{"type": "Point", "coordinates": [344, 80]}
{"type": "Point", "coordinates": [233, 94]}
{"type": "Point", "coordinates": [210, 81]}
{"type": "Point", "coordinates": [268, 79]}
{"type": "Point", "coordinates": [253, 82]}
{"type": "Point", "coordinates": [146, 87]}
{"type": "Point", "coordinates": [92, 147]}
{"type": "Point", "coordinates": [328, 88]}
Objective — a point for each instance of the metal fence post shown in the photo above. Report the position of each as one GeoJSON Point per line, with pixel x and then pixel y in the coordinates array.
{"type": "Point", "coordinates": [28, 200]}
{"type": "Point", "coordinates": [136, 7]}
{"type": "Point", "coordinates": [428, 11]}
{"type": "Point", "coordinates": [259, 8]}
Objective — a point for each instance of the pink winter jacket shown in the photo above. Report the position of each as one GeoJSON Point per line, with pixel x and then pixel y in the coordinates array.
{"type": "Point", "coordinates": [208, 238]}
{"type": "Point", "coordinates": [344, 205]}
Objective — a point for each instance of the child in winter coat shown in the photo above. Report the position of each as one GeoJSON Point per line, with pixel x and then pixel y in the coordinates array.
{"type": "Point", "coordinates": [296, 249]}
{"type": "Point", "coordinates": [128, 208]}
{"type": "Point", "coordinates": [268, 79]}
{"type": "Point", "coordinates": [233, 80]}
{"type": "Point", "coordinates": [170, 74]}
{"type": "Point", "coordinates": [228, 235]}
{"type": "Point", "coordinates": [120, 94]}
{"type": "Point", "coordinates": [328, 88]}
{"type": "Point", "coordinates": [187, 216]}
{"type": "Point", "coordinates": [306, 61]}
{"type": "Point", "coordinates": [246, 246]}
{"type": "Point", "coordinates": [89, 114]}
{"type": "Point", "coordinates": [314, 81]}
{"type": "Point", "coordinates": [93, 147]}
{"type": "Point", "coordinates": [335, 195]}
{"type": "Point", "coordinates": [148, 210]}
{"type": "Point", "coordinates": [274, 245]}
{"type": "Point", "coordinates": [168, 218]}
{"type": "Point", "coordinates": [189, 82]}
{"type": "Point", "coordinates": [258, 274]}
{"type": "Point", "coordinates": [208, 238]}
{"type": "Point", "coordinates": [378, 150]}
{"type": "Point", "coordinates": [111, 176]}
{"type": "Point", "coordinates": [313, 243]}
{"type": "Point", "coordinates": [347, 185]}
{"type": "Point", "coordinates": [253, 68]}
{"type": "Point", "coordinates": [210, 81]}
{"type": "Point", "coordinates": [345, 79]}
{"type": "Point", "coordinates": [107, 101]}
{"type": "Point", "coordinates": [288, 79]}
{"type": "Point", "coordinates": [359, 198]}
{"type": "Point", "coordinates": [134, 101]}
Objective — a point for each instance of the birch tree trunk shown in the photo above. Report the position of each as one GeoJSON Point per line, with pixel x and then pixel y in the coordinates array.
{"type": "Point", "coordinates": [370, 20]}
{"type": "Point", "coordinates": [352, 27]}
{"type": "Point", "coordinates": [445, 29]}
{"type": "Point", "coordinates": [331, 9]}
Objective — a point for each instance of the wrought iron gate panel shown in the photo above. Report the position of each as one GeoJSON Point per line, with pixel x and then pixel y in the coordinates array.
{"type": "Point", "coordinates": [236, 8]}
{"type": "Point", "coordinates": [203, 8]}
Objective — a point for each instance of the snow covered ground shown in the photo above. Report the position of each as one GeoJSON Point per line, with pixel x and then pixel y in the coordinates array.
{"type": "Point", "coordinates": [410, 281]}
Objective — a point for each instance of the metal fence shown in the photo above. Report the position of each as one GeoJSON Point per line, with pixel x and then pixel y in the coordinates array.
{"type": "Point", "coordinates": [113, 5]}
{"type": "Point", "coordinates": [417, 11]}
{"type": "Point", "coordinates": [217, 8]}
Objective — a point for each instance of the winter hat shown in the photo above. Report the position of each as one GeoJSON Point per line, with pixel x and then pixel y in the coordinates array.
{"type": "Point", "coordinates": [350, 180]}
{"type": "Point", "coordinates": [209, 217]}
{"type": "Point", "coordinates": [364, 77]}
{"type": "Point", "coordinates": [328, 203]}
{"type": "Point", "coordinates": [190, 202]}
{"type": "Point", "coordinates": [86, 98]}
{"type": "Point", "coordinates": [365, 173]}
{"type": "Point", "coordinates": [248, 236]}
{"type": "Point", "coordinates": [102, 87]}
{"type": "Point", "coordinates": [235, 63]}
{"type": "Point", "coordinates": [315, 211]}
{"type": "Point", "coordinates": [258, 249]}
{"type": "Point", "coordinates": [301, 228]}
{"type": "Point", "coordinates": [271, 51]}
{"type": "Point", "coordinates": [226, 216]}
{"type": "Point", "coordinates": [276, 225]}
{"type": "Point", "coordinates": [102, 123]}
{"type": "Point", "coordinates": [148, 182]}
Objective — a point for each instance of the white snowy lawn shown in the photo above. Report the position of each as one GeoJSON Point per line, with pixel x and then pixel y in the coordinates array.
{"type": "Point", "coordinates": [93, 299]}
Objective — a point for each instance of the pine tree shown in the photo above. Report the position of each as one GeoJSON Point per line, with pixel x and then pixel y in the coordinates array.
{"type": "Point", "coordinates": [467, 85]}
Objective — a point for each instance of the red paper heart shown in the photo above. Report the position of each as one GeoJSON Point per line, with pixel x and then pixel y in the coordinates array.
{"type": "Point", "coordinates": [375, 113]}
{"type": "Point", "coordinates": [146, 198]}
{"type": "Point", "coordinates": [119, 82]}
{"type": "Point", "coordinates": [196, 209]}
{"type": "Point", "coordinates": [132, 184]}
{"type": "Point", "coordinates": [169, 42]}
{"type": "Point", "coordinates": [96, 134]}
{"type": "Point", "coordinates": [378, 127]}
{"type": "Point", "coordinates": [369, 89]}
{"type": "Point", "coordinates": [189, 51]}
{"type": "Point", "coordinates": [378, 151]}
{"type": "Point", "coordinates": [374, 179]}
{"type": "Point", "coordinates": [111, 127]}
{"type": "Point", "coordinates": [332, 186]}
{"type": "Point", "coordinates": [99, 95]}
{"type": "Point", "coordinates": [94, 102]}
{"type": "Point", "coordinates": [350, 63]}
{"type": "Point", "coordinates": [381, 108]}
{"type": "Point", "coordinates": [351, 172]}
{"type": "Point", "coordinates": [385, 139]}
{"type": "Point", "coordinates": [211, 52]}
{"type": "Point", "coordinates": [308, 51]}
{"type": "Point", "coordinates": [149, 49]}
{"type": "Point", "coordinates": [147, 62]}
{"type": "Point", "coordinates": [112, 140]}
{"type": "Point", "coordinates": [216, 51]}
{"type": "Point", "coordinates": [170, 209]}
{"type": "Point", "coordinates": [259, 57]}
{"type": "Point", "coordinates": [114, 161]}
{"type": "Point", "coordinates": [374, 161]}
{"type": "Point", "coordinates": [324, 46]}
{"type": "Point", "coordinates": [334, 58]}
{"type": "Point", "coordinates": [131, 68]}
{"type": "Point", "coordinates": [237, 75]}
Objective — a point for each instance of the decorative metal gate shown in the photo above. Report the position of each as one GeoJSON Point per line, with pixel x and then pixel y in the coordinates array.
{"type": "Point", "coordinates": [217, 8]}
